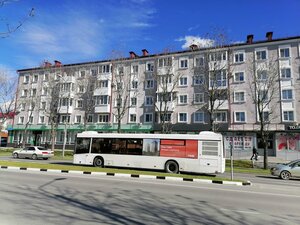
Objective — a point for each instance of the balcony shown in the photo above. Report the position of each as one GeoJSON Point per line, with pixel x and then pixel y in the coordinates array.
{"type": "Point", "coordinates": [102, 108]}
{"type": "Point", "coordinates": [102, 91]}
{"type": "Point", "coordinates": [65, 109]}
{"type": "Point", "coordinates": [165, 70]}
{"type": "Point", "coordinates": [161, 106]}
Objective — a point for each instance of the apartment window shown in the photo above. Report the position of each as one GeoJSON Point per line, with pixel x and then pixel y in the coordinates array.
{"type": "Point", "coordinates": [134, 84]}
{"type": "Point", "coordinates": [183, 99]}
{"type": "Point", "coordinates": [24, 93]}
{"type": "Point", "coordinates": [33, 92]}
{"type": "Point", "coordinates": [166, 117]}
{"type": "Point", "coordinates": [220, 116]}
{"type": "Point", "coordinates": [285, 73]}
{"type": "Point", "coordinates": [182, 117]}
{"type": "Point", "coordinates": [78, 119]}
{"type": "Point", "coordinates": [46, 77]}
{"type": "Point", "coordinates": [94, 72]}
{"type": "Point", "coordinates": [183, 81]}
{"type": "Point", "coordinates": [102, 84]}
{"type": "Point", "coordinates": [261, 55]}
{"type": "Point", "coordinates": [162, 62]}
{"type": "Point", "coordinates": [22, 106]}
{"type": "Point", "coordinates": [26, 79]}
{"type": "Point", "coordinates": [30, 119]}
{"type": "Point", "coordinates": [42, 119]}
{"type": "Point", "coordinates": [167, 79]}
{"type": "Point", "coordinates": [43, 105]}
{"type": "Point", "coordinates": [64, 119]}
{"type": "Point", "coordinates": [218, 79]}
{"type": "Point", "coordinates": [239, 77]}
{"type": "Point", "coordinates": [239, 96]}
{"type": "Point", "coordinates": [165, 96]}
{"type": "Point", "coordinates": [80, 89]}
{"type": "Point", "coordinates": [198, 98]}
{"type": "Point", "coordinates": [133, 101]}
{"type": "Point", "coordinates": [288, 115]}
{"type": "Point", "coordinates": [79, 103]}
{"type": "Point", "coordinates": [21, 120]}
{"type": "Point", "coordinates": [132, 118]}
{"type": "Point", "coordinates": [148, 117]}
{"type": "Point", "coordinates": [119, 85]}
{"type": "Point", "coordinates": [90, 118]}
{"type": "Point", "coordinates": [103, 118]}
{"type": "Point", "coordinates": [218, 56]}
{"type": "Point", "coordinates": [262, 75]}
{"type": "Point", "coordinates": [104, 68]}
{"type": "Point", "coordinates": [287, 94]}
{"type": "Point", "coordinates": [198, 80]}
{"type": "Point", "coordinates": [183, 63]}
{"type": "Point", "coordinates": [44, 91]}
{"type": "Point", "coordinates": [102, 100]}
{"type": "Point", "coordinates": [32, 106]}
{"type": "Point", "coordinates": [263, 95]}
{"type": "Point", "coordinates": [82, 73]}
{"type": "Point", "coordinates": [35, 78]}
{"type": "Point", "coordinates": [199, 61]}
{"type": "Point", "coordinates": [284, 52]}
{"type": "Point", "coordinates": [239, 117]}
{"type": "Point", "coordinates": [66, 102]}
{"type": "Point", "coordinates": [135, 69]}
{"type": "Point", "coordinates": [265, 116]}
{"type": "Point", "coordinates": [150, 67]}
{"type": "Point", "coordinates": [121, 70]}
{"type": "Point", "coordinates": [239, 57]}
{"type": "Point", "coordinates": [199, 117]}
{"type": "Point", "coordinates": [149, 84]}
{"type": "Point", "coordinates": [149, 101]}
{"type": "Point", "coordinates": [67, 87]}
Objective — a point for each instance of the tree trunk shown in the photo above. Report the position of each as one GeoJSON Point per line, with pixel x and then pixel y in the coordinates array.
{"type": "Point", "coordinates": [265, 156]}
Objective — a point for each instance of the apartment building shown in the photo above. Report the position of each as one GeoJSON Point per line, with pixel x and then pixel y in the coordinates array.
{"type": "Point", "coordinates": [170, 91]}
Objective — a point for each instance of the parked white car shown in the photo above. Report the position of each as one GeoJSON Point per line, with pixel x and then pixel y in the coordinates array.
{"type": "Point", "coordinates": [33, 152]}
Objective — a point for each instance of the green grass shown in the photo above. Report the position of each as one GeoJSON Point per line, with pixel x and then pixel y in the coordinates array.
{"type": "Point", "coordinates": [245, 166]}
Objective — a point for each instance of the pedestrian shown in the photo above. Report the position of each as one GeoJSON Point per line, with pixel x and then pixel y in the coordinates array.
{"type": "Point", "coordinates": [255, 154]}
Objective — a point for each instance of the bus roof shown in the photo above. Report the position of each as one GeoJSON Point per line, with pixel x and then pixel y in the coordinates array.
{"type": "Point", "coordinates": [204, 135]}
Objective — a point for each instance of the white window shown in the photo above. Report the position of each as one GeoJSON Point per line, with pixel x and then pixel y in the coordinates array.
{"type": "Point", "coordinates": [26, 79]}
{"type": "Point", "coordinates": [287, 94]}
{"type": "Point", "coordinates": [103, 118]}
{"type": "Point", "coordinates": [30, 119]}
{"type": "Point", "coordinates": [183, 81]}
{"type": "Point", "coordinates": [285, 73]}
{"type": "Point", "coordinates": [166, 117]}
{"type": "Point", "coordinates": [262, 75]}
{"type": "Point", "coordinates": [265, 116]}
{"type": "Point", "coordinates": [42, 119]}
{"type": "Point", "coordinates": [162, 62]}
{"type": "Point", "coordinates": [33, 92]}
{"type": "Point", "coordinates": [46, 77]}
{"type": "Point", "coordinates": [148, 100]}
{"type": "Point", "coordinates": [263, 95]}
{"type": "Point", "coordinates": [284, 52]}
{"type": "Point", "coordinates": [261, 55]}
{"type": "Point", "coordinates": [135, 69]}
{"type": "Point", "coordinates": [118, 102]}
{"type": "Point", "coordinates": [149, 84]}
{"type": "Point", "coordinates": [149, 66]}
{"type": "Point", "coordinates": [183, 99]}
{"type": "Point", "coordinates": [82, 73]}
{"type": "Point", "coordinates": [288, 116]}
{"type": "Point", "coordinates": [239, 77]}
{"type": "Point", "coordinates": [94, 71]}
{"type": "Point", "coordinates": [198, 79]}
{"type": "Point", "coordinates": [43, 105]}
{"type": "Point", "coordinates": [121, 70]}
{"type": "Point", "coordinates": [119, 85]}
{"type": "Point", "coordinates": [64, 119]}
{"type": "Point", "coordinates": [220, 117]}
{"type": "Point", "coordinates": [21, 120]}
{"type": "Point", "coordinates": [35, 78]}
{"type": "Point", "coordinates": [167, 79]}
{"type": "Point", "coordinates": [66, 102]}
{"type": "Point", "coordinates": [90, 118]}
{"type": "Point", "coordinates": [218, 78]}
{"type": "Point", "coordinates": [182, 117]}
{"type": "Point", "coordinates": [32, 106]}
{"type": "Point", "coordinates": [79, 103]}
{"type": "Point", "coordinates": [78, 119]}
{"type": "Point", "coordinates": [239, 96]}
{"type": "Point", "coordinates": [102, 83]}
{"type": "Point", "coordinates": [198, 98]}
{"type": "Point", "coordinates": [198, 117]}
{"type": "Point", "coordinates": [80, 89]}
{"type": "Point", "coordinates": [239, 117]}
{"type": "Point", "coordinates": [22, 106]}
{"type": "Point", "coordinates": [134, 84]}
{"type": "Point", "coordinates": [218, 56]}
{"type": "Point", "coordinates": [101, 100]}
{"type": "Point", "coordinates": [24, 93]}
{"type": "Point", "coordinates": [239, 57]}
{"type": "Point", "coordinates": [104, 68]}
{"type": "Point", "coordinates": [199, 61]}
{"type": "Point", "coordinates": [183, 63]}
{"type": "Point", "coordinates": [133, 101]}
{"type": "Point", "coordinates": [132, 118]}
{"type": "Point", "coordinates": [148, 117]}
{"type": "Point", "coordinates": [44, 91]}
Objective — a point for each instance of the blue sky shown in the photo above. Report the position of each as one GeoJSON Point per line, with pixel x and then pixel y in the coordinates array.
{"type": "Point", "coordinates": [73, 31]}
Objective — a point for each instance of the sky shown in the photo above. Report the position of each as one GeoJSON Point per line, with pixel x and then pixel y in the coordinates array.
{"type": "Point", "coordinates": [75, 31]}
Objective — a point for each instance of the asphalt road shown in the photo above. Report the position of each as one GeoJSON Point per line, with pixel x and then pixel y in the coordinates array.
{"type": "Point", "coordinates": [44, 198]}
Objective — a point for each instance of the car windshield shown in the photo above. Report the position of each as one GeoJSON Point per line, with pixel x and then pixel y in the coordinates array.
{"type": "Point", "coordinates": [292, 162]}
{"type": "Point", "coordinates": [42, 148]}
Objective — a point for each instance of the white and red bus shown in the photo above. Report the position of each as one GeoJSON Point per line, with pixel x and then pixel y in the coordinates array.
{"type": "Point", "coordinates": [202, 153]}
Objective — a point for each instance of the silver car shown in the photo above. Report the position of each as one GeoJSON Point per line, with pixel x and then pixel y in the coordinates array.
{"type": "Point", "coordinates": [287, 170]}
{"type": "Point", "coordinates": [33, 152]}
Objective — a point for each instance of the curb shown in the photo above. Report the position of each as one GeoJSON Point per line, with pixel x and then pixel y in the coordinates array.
{"type": "Point", "coordinates": [124, 175]}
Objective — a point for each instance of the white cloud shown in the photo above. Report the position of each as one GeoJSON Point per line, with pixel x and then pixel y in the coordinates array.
{"type": "Point", "coordinates": [189, 40]}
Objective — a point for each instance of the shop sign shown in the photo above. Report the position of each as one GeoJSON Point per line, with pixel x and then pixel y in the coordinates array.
{"type": "Point", "coordinates": [239, 142]}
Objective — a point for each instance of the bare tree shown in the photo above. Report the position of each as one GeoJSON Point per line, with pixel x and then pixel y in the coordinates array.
{"type": "Point", "coordinates": [167, 80]}
{"type": "Point", "coordinates": [264, 93]}
{"type": "Point", "coordinates": [211, 75]}
{"type": "Point", "coordinates": [7, 96]}
{"type": "Point", "coordinates": [9, 26]}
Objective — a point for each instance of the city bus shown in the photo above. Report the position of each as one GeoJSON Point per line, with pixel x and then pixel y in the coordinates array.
{"type": "Point", "coordinates": [173, 153]}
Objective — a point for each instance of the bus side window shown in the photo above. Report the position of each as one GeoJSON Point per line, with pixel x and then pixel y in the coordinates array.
{"type": "Point", "coordinates": [82, 145]}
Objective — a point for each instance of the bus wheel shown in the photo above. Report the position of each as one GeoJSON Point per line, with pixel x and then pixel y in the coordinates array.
{"type": "Point", "coordinates": [98, 162]}
{"type": "Point", "coordinates": [171, 167]}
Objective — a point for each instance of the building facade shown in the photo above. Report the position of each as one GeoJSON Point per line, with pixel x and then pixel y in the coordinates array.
{"type": "Point", "coordinates": [217, 88]}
